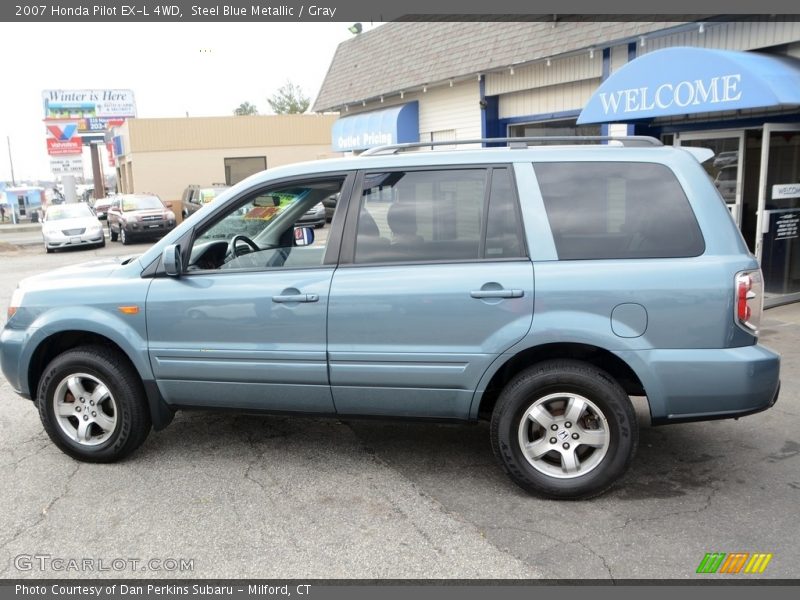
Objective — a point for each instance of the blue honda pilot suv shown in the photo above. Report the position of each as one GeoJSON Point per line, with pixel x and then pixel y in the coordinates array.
{"type": "Point", "coordinates": [537, 287]}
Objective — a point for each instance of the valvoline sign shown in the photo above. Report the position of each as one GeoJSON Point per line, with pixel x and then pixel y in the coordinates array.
{"type": "Point", "coordinates": [64, 131]}
{"type": "Point", "coordinates": [63, 139]}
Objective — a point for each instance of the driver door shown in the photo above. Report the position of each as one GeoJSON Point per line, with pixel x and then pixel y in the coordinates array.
{"type": "Point", "coordinates": [244, 326]}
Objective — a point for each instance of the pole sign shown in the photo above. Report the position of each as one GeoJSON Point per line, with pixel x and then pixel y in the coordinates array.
{"type": "Point", "coordinates": [75, 118]}
{"type": "Point", "coordinates": [88, 104]}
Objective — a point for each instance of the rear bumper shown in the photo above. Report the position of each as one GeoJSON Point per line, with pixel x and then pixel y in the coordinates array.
{"type": "Point", "coordinates": [707, 384]}
{"type": "Point", "coordinates": [734, 414]}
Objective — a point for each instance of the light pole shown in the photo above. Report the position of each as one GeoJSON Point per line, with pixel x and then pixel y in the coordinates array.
{"type": "Point", "coordinates": [10, 161]}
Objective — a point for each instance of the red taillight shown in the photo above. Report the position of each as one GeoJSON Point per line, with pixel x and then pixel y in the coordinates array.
{"type": "Point", "coordinates": [749, 300]}
{"type": "Point", "coordinates": [745, 284]}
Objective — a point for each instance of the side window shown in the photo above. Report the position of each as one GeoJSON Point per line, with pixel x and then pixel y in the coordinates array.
{"type": "Point", "coordinates": [265, 230]}
{"type": "Point", "coordinates": [603, 210]}
{"type": "Point", "coordinates": [421, 216]}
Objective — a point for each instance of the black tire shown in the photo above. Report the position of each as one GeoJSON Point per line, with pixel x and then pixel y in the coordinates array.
{"type": "Point", "coordinates": [549, 385]}
{"type": "Point", "coordinates": [126, 396]}
{"type": "Point", "coordinates": [102, 243]}
{"type": "Point", "coordinates": [124, 237]}
{"type": "Point", "coordinates": [112, 234]}
{"type": "Point", "coordinates": [48, 249]}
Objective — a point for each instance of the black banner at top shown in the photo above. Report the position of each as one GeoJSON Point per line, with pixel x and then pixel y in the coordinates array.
{"type": "Point", "coordinates": [367, 10]}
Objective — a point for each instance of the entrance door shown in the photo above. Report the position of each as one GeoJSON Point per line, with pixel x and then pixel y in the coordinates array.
{"type": "Point", "coordinates": [726, 166]}
{"type": "Point", "coordinates": [778, 241]}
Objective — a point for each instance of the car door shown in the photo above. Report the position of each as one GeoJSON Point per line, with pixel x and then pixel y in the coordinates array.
{"type": "Point", "coordinates": [245, 325]}
{"type": "Point", "coordinates": [434, 285]}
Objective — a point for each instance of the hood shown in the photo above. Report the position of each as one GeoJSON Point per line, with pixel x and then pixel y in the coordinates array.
{"type": "Point", "coordinates": [96, 269]}
{"type": "Point", "coordinates": [76, 223]}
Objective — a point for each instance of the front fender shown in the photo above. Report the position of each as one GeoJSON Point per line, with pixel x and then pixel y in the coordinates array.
{"type": "Point", "coordinates": [126, 331]}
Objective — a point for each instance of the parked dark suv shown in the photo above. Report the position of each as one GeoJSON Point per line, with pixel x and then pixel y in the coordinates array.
{"type": "Point", "coordinates": [195, 196]}
{"type": "Point", "coordinates": [538, 288]}
{"type": "Point", "coordinates": [138, 216]}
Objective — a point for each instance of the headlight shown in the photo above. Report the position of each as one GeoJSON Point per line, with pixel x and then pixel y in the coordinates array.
{"type": "Point", "coordinates": [132, 218]}
{"type": "Point", "coordinates": [51, 230]}
{"type": "Point", "coordinates": [16, 302]}
{"type": "Point", "coordinates": [94, 227]}
{"type": "Point", "coordinates": [170, 215]}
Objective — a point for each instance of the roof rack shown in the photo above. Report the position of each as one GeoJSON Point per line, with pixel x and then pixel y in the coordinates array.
{"type": "Point", "coordinates": [520, 142]}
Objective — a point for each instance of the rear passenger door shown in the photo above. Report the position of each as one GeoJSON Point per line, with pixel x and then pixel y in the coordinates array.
{"type": "Point", "coordinates": [433, 284]}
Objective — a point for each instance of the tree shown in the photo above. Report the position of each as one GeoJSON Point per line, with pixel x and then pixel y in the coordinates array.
{"type": "Point", "coordinates": [289, 99]}
{"type": "Point", "coordinates": [245, 108]}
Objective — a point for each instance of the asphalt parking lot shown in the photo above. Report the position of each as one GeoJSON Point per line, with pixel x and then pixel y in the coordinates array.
{"type": "Point", "coordinates": [274, 497]}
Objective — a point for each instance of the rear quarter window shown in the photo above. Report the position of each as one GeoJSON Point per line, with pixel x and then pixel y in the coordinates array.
{"type": "Point", "coordinates": [600, 210]}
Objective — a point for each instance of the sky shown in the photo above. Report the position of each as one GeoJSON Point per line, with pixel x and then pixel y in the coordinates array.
{"type": "Point", "coordinates": [203, 69]}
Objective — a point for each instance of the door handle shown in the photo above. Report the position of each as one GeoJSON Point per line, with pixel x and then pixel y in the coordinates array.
{"type": "Point", "coordinates": [296, 298]}
{"type": "Point", "coordinates": [497, 293]}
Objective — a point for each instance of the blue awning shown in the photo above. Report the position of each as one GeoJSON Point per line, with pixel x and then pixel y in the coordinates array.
{"type": "Point", "coordinates": [679, 81]}
{"type": "Point", "coordinates": [394, 125]}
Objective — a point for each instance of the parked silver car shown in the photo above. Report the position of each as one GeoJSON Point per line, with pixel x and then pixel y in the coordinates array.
{"type": "Point", "coordinates": [66, 225]}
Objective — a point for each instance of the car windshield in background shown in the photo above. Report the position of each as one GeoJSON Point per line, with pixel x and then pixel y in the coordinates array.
{"type": "Point", "coordinates": [208, 194]}
{"type": "Point", "coordinates": [141, 203]}
{"type": "Point", "coordinates": [68, 211]}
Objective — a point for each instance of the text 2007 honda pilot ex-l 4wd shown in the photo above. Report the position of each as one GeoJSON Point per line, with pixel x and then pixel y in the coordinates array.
{"type": "Point", "coordinates": [538, 287]}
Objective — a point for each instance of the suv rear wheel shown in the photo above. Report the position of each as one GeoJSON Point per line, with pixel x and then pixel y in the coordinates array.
{"type": "Point", "coordinates": [92, 406]}
{"type": "Point", "coordinates": [564, 429]}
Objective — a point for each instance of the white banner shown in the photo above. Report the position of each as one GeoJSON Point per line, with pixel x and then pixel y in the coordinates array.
{"type": "Point", "coordinates": [67, 165]}
{"type": "Point", "coordinates": [88, 104]}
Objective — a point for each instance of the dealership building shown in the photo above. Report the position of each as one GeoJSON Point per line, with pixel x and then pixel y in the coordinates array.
{"type": "Point", "coordinates": [732, 86]}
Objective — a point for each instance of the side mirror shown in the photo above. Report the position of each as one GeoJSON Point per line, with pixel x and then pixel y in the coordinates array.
{"type": "Point", "coordinates": [171, 259]}
{"type": "Point", "coordinates": [303, 236]}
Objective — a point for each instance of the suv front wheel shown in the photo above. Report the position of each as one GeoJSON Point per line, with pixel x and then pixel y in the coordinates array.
{"type": "Point", "coordinates": [564, 429]}
{"type": "Point", "coordinates": [92, 406]}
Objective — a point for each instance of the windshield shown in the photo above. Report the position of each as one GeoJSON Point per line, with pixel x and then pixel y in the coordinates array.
{"type": "Point", "coordinates": [68, 211]}
{"type": "Point", "coordinates": [141, 203]}
{"type": "Point", "coordinates": [208, 194]}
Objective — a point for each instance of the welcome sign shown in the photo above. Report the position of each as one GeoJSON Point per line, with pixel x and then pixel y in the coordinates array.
{"type": "Point", "coordinates": [679, 81]}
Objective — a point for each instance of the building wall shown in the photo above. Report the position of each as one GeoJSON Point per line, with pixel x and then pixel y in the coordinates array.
{"type": "Point", "coordinates": [163, 156]}
{"type": "Point", "coordinates": [145, 135]}
{"type": "Point", "coordinates": [167, 173]}
{"type": "Point", "coordinates": [455, 110]}
{"type": "Point", "coordinates": [561, 70]}
{"type": "Point", "coordinates": [548, 100]}
{"type": "Point", "coordinates": [729, 36]}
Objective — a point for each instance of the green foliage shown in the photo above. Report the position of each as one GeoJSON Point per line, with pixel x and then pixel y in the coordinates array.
{"type": "Point", "coordinates": [289, 99]}
{"type": "Point", "coordinates": [245, 108]}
